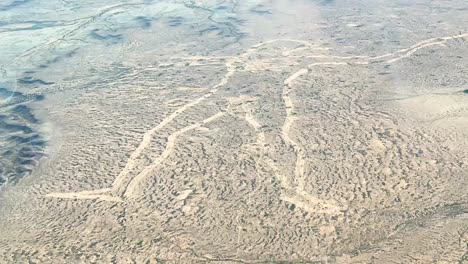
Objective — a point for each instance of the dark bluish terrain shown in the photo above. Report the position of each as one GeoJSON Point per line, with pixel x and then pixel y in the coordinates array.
{"type": "Point", "coordinates": [21, 146]}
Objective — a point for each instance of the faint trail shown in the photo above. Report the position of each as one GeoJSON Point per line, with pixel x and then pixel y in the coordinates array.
{"type": "Point", "coordinates": [310, 66]}
{"type": "Point", "coordinates": [420, 45]}
{"type": "Point", "coordinates": [301, 198]}
{"type": "Point", "coordinates": [203, 58]}
{"type": "Point", "coordinates": [290, 118]}
{"type": "Point", "coordinates": [336, 57]}
{"type": "Point", "coordinates": [304, 42]}
{"type": "Point", "coordinates": [307, 47]}
{"type": "Point", "coordinates": [311, 204]}
{"type": "Point", "coordinates": [261, 143]}
{"type": "Point", "coordinates": [260, 135]}
{"type": "Point", "coordinates": [132, 188]}
{"type": "Point", "coordinates": [247, 115]}
{"type": "Point", "coordinates": [87, 195]}
{"type": "Point", "coordinates": [411, 52]}
{"type": "Point", "coordinates": [407, 51]}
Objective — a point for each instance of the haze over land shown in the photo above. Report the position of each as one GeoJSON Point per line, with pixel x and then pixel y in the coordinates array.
{"type": "Point", "coordinates": [239, 131]}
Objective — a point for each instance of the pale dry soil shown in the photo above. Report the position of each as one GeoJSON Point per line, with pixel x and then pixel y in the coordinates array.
{"type": "Point", "coordinates": [287, 152]}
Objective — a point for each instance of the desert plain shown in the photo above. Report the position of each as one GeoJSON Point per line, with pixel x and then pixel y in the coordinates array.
{"type": "Point", "coordinates": [234, 131]}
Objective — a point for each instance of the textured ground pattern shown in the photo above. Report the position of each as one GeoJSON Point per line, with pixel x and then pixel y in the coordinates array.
{"type": "Point", "coordinates": [234, 132]}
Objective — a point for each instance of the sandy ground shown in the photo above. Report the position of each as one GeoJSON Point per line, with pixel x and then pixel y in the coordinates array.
{"type": "Point", "coordinates": [276, 144]}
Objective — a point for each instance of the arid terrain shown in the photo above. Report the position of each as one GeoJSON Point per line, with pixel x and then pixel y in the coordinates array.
{"type": "Point", "coordinates": [234, 131]}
